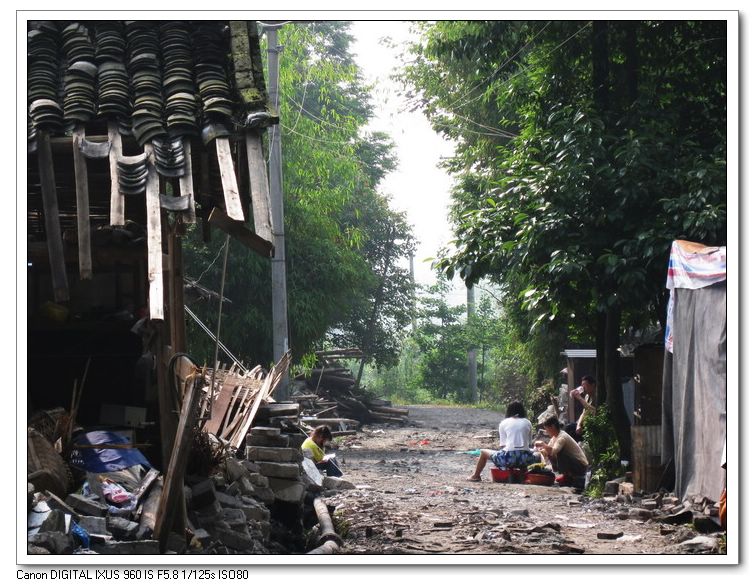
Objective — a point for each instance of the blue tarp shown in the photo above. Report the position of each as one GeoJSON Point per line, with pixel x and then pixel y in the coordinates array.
{"type": "Point", "coordinates": [105, 460]}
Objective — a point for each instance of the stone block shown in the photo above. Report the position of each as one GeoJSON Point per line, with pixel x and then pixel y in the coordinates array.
{"type": "Point", "coordinates": [250, 467]}
{"type": "Point", "coordinates": [55, 522]}
{"type": "Point", "coordinates": [228, 501]}
{"type": "Point", "coordinates": [287, 490]}
{"type": "Point", "coordinates": [94, 524]}
{"type": "Point", "coordinates": [259, 480]}
{"type": "Point", "coordinates": [264, 494]}
{"type": "Point", "coordinates": [234, 469]}
{"type": "Point", "coordinates": [243, 487]}
{"type": "Point", "coordinates": [133, 547]}
{"type": "Point", "coordinates": [670, 501]}
{"type": "Point", "coordinates": [56, 543]}
{"type": "Point", "coordinates": [176, 543]}
{"type": "Point", "coordinates": [649, 504]}
{"type": "Point", "coordinates": [265, 431]}
{"type": "Point", "coordinates": [264, 527]}
{"type": "Point", "coordinates": [235, 518]}
{"type": "Point", "coordinates": [203, 494]}
{"type": "Point", "coordinates": [233, 490]}
{"type": "Point", "coordinates": [121, 528]}
{"type": "Point", "coordinates": [610, 535]}
{"type": "Point", "coordinates": [253, 510]}
{"type": "Point", "coordinates": [611, 488]}
{"type": "Point", "coordinates": [337, 483]}
{"type": "Point", "coordinates": [33, 549]}
{"type": "Point", "coordinates": [280, 470]}
{"type": "Point", "coordinates": [219, 480]}
{"type": "Point", "coordinates": [640, 514]}
{"type": "Point", "coordinates": [274, 454]}
{"type": "Point", "coordinates": [86, 506]}
{"type": "Point", "coordinates": [266, 441]}
{"type": "Point", "coordinates": [235, 539]}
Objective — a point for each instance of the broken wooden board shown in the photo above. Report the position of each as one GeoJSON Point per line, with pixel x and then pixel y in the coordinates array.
{"type": "Point", "coordinates": [238, 231]}
{"type": "Point", "coordinates": [83, 226]}
{"type": "Point", "coordinates": [117, 206]}
{"type": "Point", "coordinates": [259, 187]}
{"type": "Point", "coordinates": [186, 184]}
{"type": "Point", "coordinates": [154, 239]}
{"type": "Point", "coordinates": [228, 179]}
{"type": "Point", "coordinates": [53, 232]}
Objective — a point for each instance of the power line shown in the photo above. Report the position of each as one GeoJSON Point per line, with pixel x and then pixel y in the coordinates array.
{"type": "Point", "coordinates": [292, 131]}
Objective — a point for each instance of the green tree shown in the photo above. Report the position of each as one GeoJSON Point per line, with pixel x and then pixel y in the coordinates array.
{"type": "Point", "coordinates": [337, 222]}
{"type": "Point", "coordinates": [585, 148]}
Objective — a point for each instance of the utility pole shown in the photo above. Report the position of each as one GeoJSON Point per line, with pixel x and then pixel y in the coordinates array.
{"type": "Point", "coordinates": [472, 352]}
{"type": "Point", "coordinates": [414, 296]}
{"type": "Point", "coordinates": [280, 303]}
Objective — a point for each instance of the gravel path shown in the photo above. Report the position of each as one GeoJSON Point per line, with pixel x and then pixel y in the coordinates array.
{"type": "Point", "coordinates": [412, 497]}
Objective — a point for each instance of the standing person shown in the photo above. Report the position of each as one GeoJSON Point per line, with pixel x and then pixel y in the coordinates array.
{"type": "Point", "coordinates": [515, 434]}
{"type": "Point", "coordinates": [585, 395]}
{"type": "Point", "coordinates": [313, 448]}
{"type": "Point", "coordinates": [564, 454]}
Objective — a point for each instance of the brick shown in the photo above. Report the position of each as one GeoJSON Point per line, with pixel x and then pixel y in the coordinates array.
{"type": "Point", "coordinates": [243, 486]}
{"type": "Point", "coordinates": [94, 524]}
{"type": "Point", "coordinates": [121, 528]}
{"type": "Point", "coordinates": [280, 470]}
{"type": "Point", "coordinates": [611, 488]}
{"type": "Point", "coordinates": [133, 547]}
{"type": "Point", "coordinates": [649, 504]}
{"type": "Point", "coordinates": [86, 506]}
{"type": "Point", "coordinates": [286, 490]}
{"type": "Point", "coordinates": [264, 494]}
{"type": "Point", "coordinates": [274, 454]}
{"type": "Point", "coordinates": [266, 441]}
{"type": "Point", "coordinates": [251, 467]}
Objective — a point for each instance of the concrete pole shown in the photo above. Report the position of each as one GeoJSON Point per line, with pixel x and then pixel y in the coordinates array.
{"type": "Point", "coordinates": [280, 303]}
{"type": "Point", "coordinates": [472, 352]}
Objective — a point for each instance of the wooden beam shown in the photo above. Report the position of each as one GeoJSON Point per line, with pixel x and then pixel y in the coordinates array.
{"type": "Point", "coordinates": [238, 231]}
{"type": "Point", "coordinates": [117, 207]}
{"type": "Point", "coordinates": [186, 184]}
{"type": "Point", "coordinates": [83, 226]}
{"type": "Point", "coordinates": [228, 179]}
{"type": "Point", "coordinates": [154, 239]}
{"type": "Point", "coordinates": [174, 478]}
{"type": "Point", "coordinates": [258, 186]}
{"type": "Point", "coordinates": [52, 218]}
{"type": "Point", "coordinates": [176, 292]}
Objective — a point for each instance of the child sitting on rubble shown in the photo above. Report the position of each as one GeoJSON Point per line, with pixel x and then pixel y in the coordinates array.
{"type": "Point", "coordinates": [564, 454]}
{"type": "Point", "coordinates": [515, 434]}
{"type": "Point", "coordinates": [313, 448]}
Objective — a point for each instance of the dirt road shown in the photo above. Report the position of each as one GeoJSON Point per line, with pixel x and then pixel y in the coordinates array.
{"type": "Point", "coordinates": [412, 497]}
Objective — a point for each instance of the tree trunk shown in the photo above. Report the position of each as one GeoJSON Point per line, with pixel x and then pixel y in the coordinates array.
{"type": "Point", "coordinates": [614, 394]}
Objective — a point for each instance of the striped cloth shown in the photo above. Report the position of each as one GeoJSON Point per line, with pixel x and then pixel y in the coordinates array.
{"type": "Point", "coordinates": [691, 266]}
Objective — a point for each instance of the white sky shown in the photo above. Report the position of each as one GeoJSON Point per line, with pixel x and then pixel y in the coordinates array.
{"type": "Point", "coordinates": [417, 186]}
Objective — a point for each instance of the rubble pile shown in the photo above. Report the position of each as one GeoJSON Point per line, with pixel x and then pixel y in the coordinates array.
{"type": "Point", "coordinates": [329, 394]}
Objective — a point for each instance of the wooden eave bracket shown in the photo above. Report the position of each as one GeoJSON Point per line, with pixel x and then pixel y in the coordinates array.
{"type": "Point", "coordinates": [240, 232]}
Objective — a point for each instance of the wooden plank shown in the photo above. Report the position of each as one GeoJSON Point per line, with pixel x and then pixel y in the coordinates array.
{"type": "Point", "coordinates": [228, 179]}
{"type": "Point", "coordinates": [174, 477]}
{"type": "Point", "coordinates": [154, 239]}
{"type": "Point", "coordinates": [237, 231]}
{"type": "Point", "coordinates": [176, 293]}
{"type": "Point", "coordinates": [117, 206]}
{"type": "Point", "coordinates": [258, 186]}
{"type": "Point", "coordinates": [150, 508]}
{"type": "Point", "coordinates": [186, 184]}
{"type": "Point", "coordinates": [83, 227]}
{"type": "Point", "coordinates": [53, 233]}
{"type": "Point", "coordinates": [144, 485]}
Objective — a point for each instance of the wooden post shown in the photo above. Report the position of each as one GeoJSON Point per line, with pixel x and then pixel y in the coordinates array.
{"type": "Point", "coordinates": [82, 206]}
{"type": "Point", "coordinates": [186, 184]}
{"type": "Point", "coordinates": [52, 218]}
{"type": "Point", "coordinates": [117, 211]}
{"type": "Point", "coordinates": [154, 239]}
{"type": "Point", "coordinates": [174, 478]}
{"type": "Point", "coordinates": [258, 186]}
{"type": "Point", "coordinates": [176, 292]}
{"type": "Point", "coordinates": [228, 178]}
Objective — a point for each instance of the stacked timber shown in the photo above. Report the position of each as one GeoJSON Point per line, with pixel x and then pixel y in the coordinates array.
{"type": "Point", "coordinates": [329, 395]}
